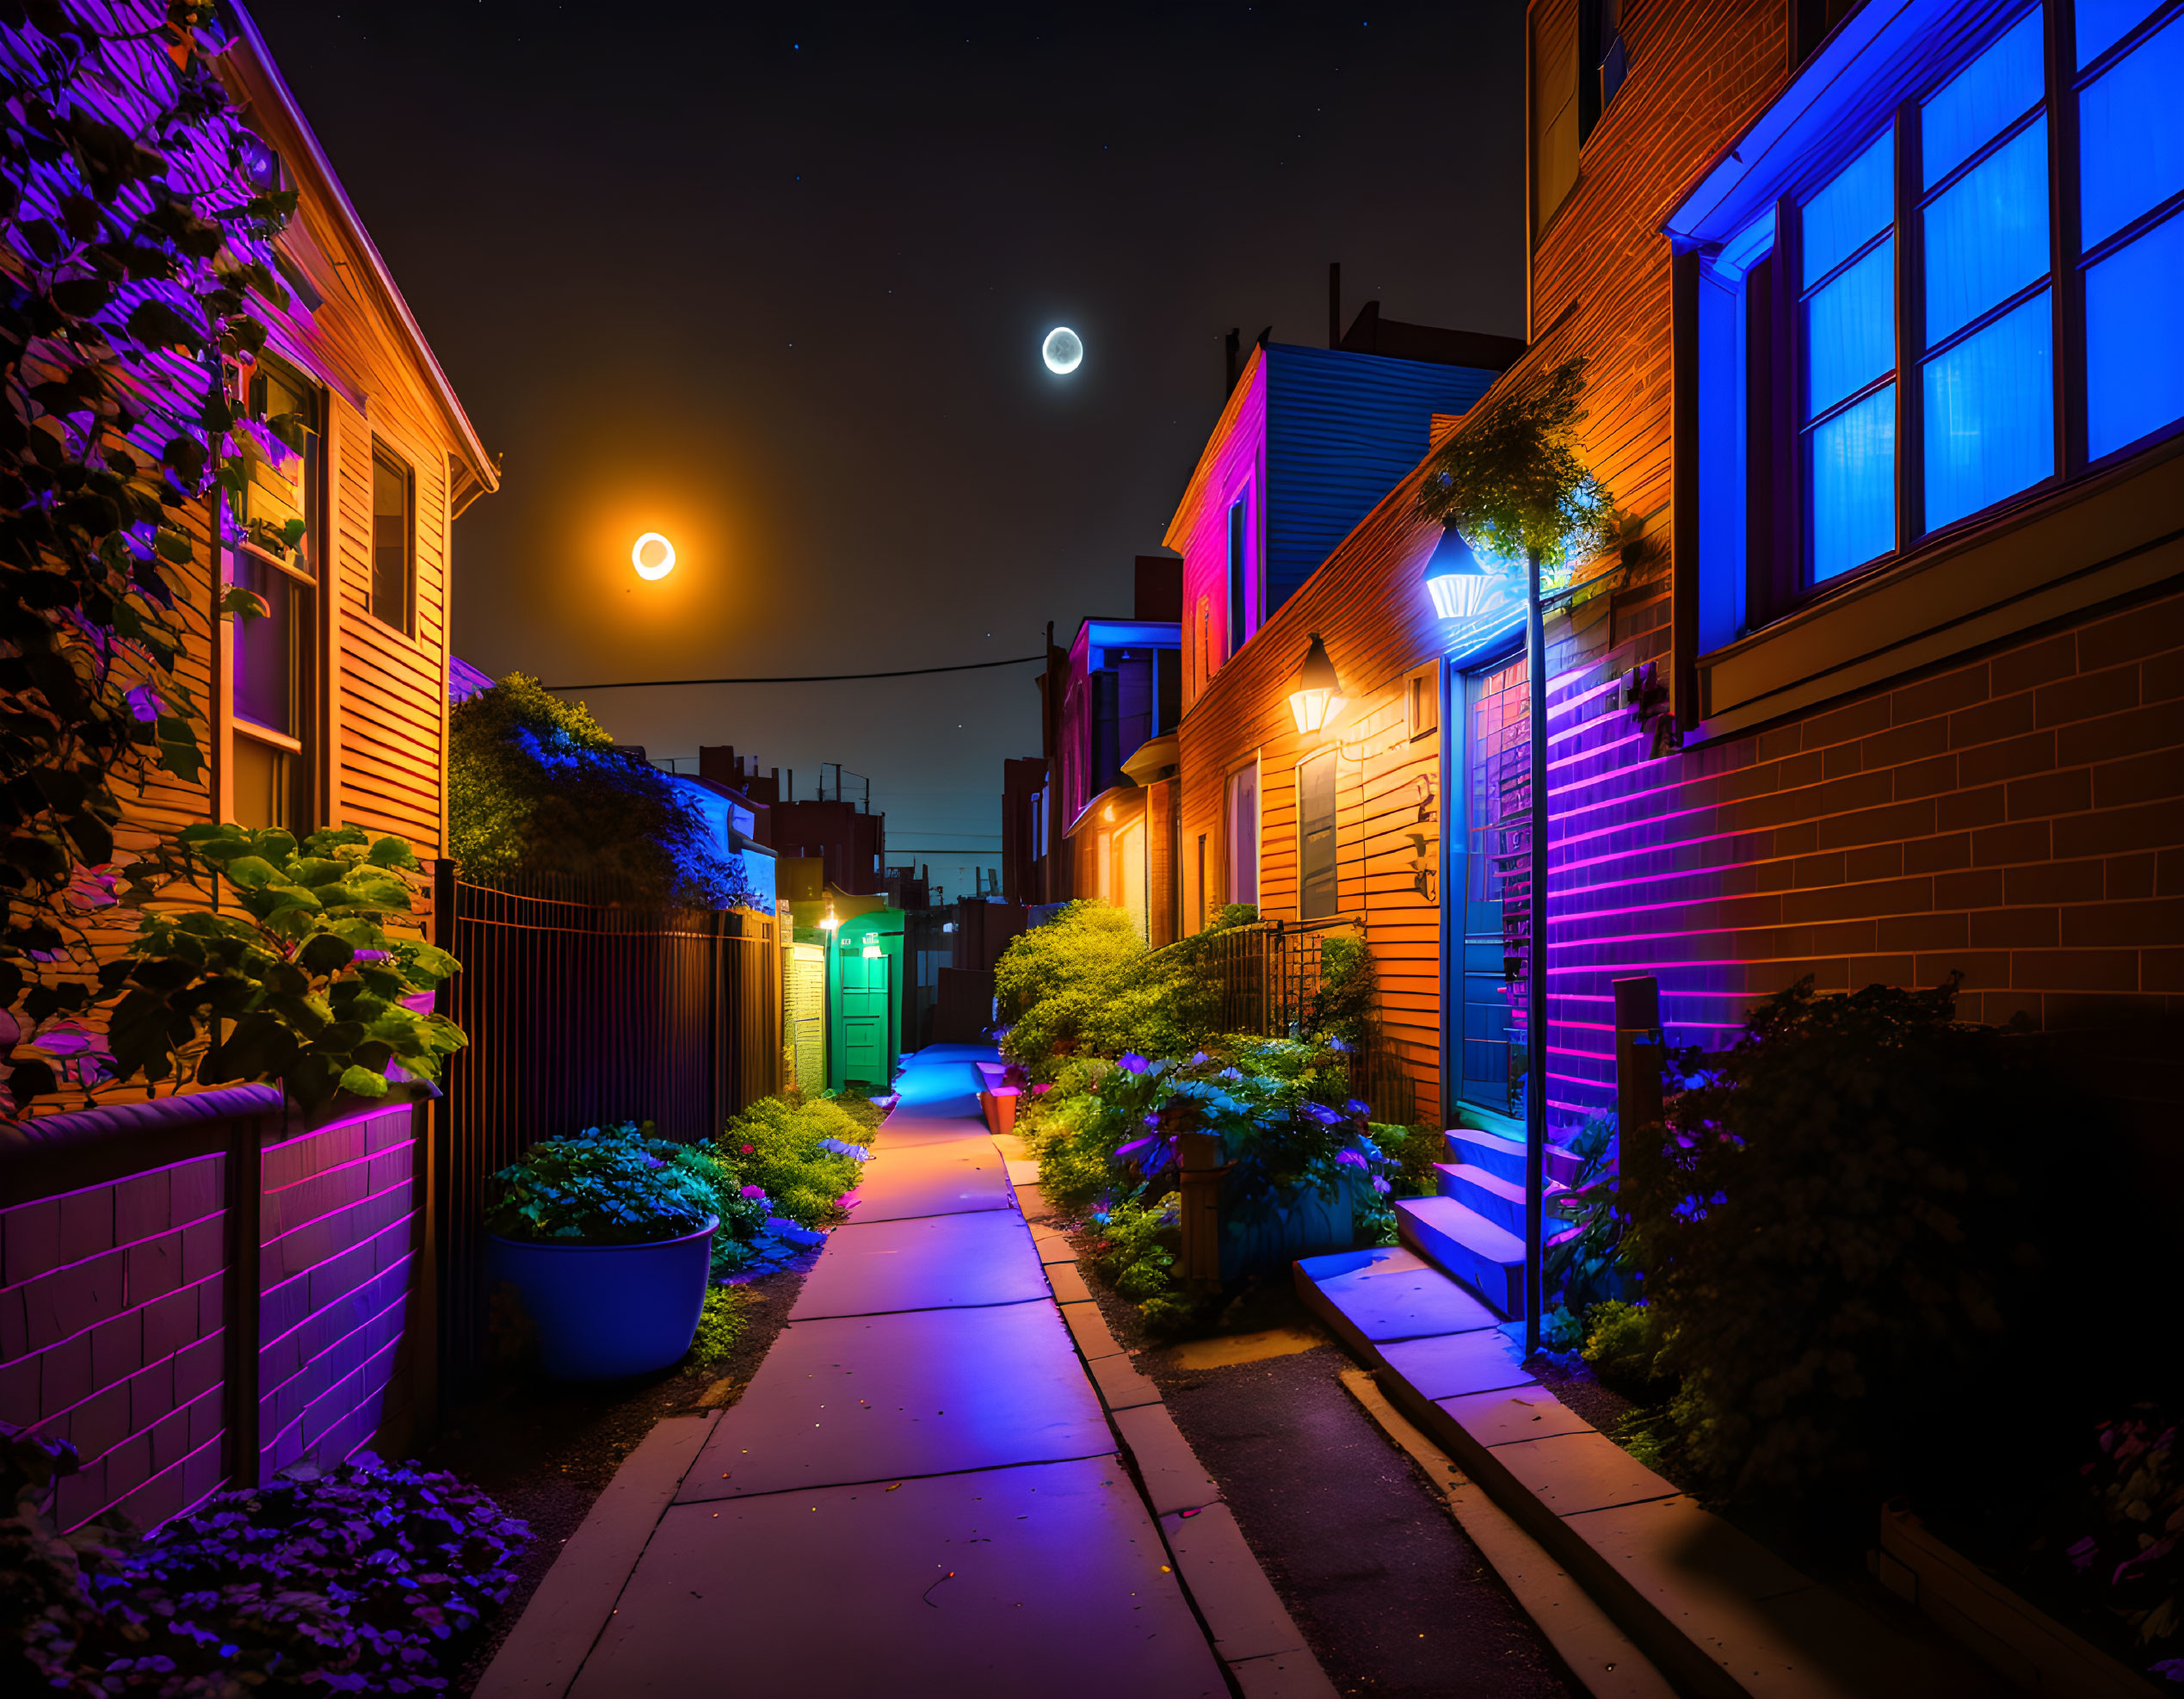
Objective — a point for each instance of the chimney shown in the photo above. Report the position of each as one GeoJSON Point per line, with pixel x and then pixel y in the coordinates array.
{"type": "Point", "coordinates": [1334, 304]}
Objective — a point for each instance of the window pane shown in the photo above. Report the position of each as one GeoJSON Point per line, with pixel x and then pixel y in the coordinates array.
{"type": "Point", "coordinates": [2102, 23]}
{"type": "Point", "coordinates": [1980, 101]}
{"type": "Point", "coordinates": [390, 544]}
{"type": "Point", "coordinates": [2132, 135]}
{"type": "Point", "coordinates": [1991, 413]}
{"type": "Point", "coordinates": [2134, 340]}
{"type": "Point", "coordinates": [1317, 896]}
{"type": "Point", "coordinates": [1850, 211]}
{"type": "Point", "coordinates": [264, 674]}
{"type": "Point", "coordinates": [1850, 330]}
{"type": "Point", "coordinates": [1853, 485]}
{"type": "Point", "coordinates": [1986, 237]}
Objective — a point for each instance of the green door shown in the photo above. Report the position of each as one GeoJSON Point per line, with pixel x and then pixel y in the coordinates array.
{"type": "Point", "coordinates": [868, 991]}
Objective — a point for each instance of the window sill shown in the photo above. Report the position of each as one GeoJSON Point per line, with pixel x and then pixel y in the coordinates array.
{"type": "Point", "coordinates": [265, 734]}
{"type": "Point", "coordinates": [2057, 554]}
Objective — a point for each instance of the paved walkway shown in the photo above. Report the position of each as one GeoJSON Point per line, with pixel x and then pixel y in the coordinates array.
{"type": "Point", "coordinates": [918, 1494]}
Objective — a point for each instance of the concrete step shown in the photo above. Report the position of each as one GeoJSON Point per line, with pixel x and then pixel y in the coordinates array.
{"type": "Point", "coordinates": [1719, 1616]}
{"type": "Point", "coordinates": [1486, 1193]}
{"type": "Point", "coordinates": [1462, 1242]}
{"type": "Point", "coordinates": [1504, 1157]}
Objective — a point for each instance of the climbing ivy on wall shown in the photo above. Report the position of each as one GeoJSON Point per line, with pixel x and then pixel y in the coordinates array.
{"type": "Point", "coordinates": [136, 218]}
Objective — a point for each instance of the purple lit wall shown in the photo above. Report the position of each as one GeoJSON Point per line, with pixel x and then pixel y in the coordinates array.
{"type": "Point", "coordinates": [117, 1299]}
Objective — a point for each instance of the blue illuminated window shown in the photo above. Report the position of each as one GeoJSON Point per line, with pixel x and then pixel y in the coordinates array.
{"type": "Point", "coordinates": [2131, 182]}
{"type": "Point", "coordinates": [1987, 385]}
{"type": "Point", "coordinates": [1891, 370]}
{"type": "Point", "coordinates": [1849, 343]}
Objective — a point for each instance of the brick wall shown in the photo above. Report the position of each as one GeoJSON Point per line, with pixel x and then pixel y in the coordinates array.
{"type": "Point", "coordinates": [2016, 816]}
{"type": "Point", "coordinates": [119, 1299]}
{"type": "Point", "coordinates": [113, 1335]}
{"type": "Point", "coordinates": [340, 1229]}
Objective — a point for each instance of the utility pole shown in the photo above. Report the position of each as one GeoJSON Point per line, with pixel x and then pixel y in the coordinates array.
{"type": "Point", "coordinates": [1535, 1021]}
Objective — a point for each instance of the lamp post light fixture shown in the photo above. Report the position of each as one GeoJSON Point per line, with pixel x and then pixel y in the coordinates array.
{"type": "Point", "coordinates": [652, 555]}
{"type": "Point", "coordinates": [1456, 578]}
{"type": "Point", "coordinates": [1316, 697]}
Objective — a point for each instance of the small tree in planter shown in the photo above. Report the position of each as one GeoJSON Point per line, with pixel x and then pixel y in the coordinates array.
{"type": "Point", "coordinates": [609, 1238]}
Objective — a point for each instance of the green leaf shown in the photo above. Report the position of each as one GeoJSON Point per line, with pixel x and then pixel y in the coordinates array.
{"type": "Point", "coordinates": [363, 1082]}
{"type": "Point", "coordinates": [244, 604]}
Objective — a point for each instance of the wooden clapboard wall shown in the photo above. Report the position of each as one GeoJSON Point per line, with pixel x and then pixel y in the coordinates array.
{"type": "Point", "coordinates": [382, 711]}
{"type": "Point", "coordinates": [1367, 604]}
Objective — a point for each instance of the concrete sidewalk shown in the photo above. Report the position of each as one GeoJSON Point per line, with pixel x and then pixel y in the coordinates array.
{"type": "Point", "coordinates": [919, 1492]}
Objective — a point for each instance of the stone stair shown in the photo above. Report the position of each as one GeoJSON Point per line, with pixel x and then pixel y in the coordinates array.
{"type": "Point", "coordinates": [1474, 1229]}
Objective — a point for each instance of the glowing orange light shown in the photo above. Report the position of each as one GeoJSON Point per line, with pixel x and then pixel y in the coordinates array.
{"type": "Point", "coordinates": [653, 556]}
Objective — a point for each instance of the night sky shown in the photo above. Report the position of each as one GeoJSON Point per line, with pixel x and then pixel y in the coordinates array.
{"type": "Point", "coordinates": [773, 282]}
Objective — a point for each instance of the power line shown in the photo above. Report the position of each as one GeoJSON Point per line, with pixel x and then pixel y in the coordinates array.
{"type": "Point", "coordinates": [802, 678]}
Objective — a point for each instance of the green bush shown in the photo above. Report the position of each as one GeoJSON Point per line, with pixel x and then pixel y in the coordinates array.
{"type": "Point", "coordinates": [535, 785]}
{"type": "Point", "coordinates": [1587, 1266]}
{"type": "Point", "coordinates": [802, 1156]}
{"type": "Point", "coordinates": [1137, 1246]}
{"type": "Point", "coordinates": [1085, 984]}
{"type": "Point", "coordinates": [1858, 1213]}
{"type": "Point", "coordinates": [620, 1185]}
{"type": "Point", "coordinates": [719, 1326]}
{"type": "Point", "coordinates": [1623, 1345]}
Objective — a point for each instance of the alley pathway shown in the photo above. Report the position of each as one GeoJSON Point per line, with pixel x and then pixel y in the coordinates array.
{"type": "Point", "coordinates": [918, 1494]}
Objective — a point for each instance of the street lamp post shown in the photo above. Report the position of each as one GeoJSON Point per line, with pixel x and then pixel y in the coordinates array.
{"type": "Point", "coordinates": [1535, 1018]}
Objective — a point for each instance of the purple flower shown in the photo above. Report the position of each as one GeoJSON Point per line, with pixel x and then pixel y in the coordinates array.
{"type": "Point", "coordinates": [1323, 1115]}
{"type": "Point", "coordinates": [1381, 1186]}
{"type": "Point", "coordinates": [1042, 1088]}
{"type": "Point", "coordinates": [145, 704]}
{"type": "Point", "coordinates": [1338, 1047]}
{"type": "Point", "coordinates": [1230, 1073]}
{"type": "Point", "coordinates": [1199, 1058]}
{"type": "Point", "coordinates": [1132, 1062]}
{"type": "Point", "coordinates": [1350, 1157]}
{"type": "Point", "coordinates": [753, 1191]}
{"type": "Point", "coordinates": [1362, 1110]}
{"type": "Point", "coordinates": [1153, 1119]}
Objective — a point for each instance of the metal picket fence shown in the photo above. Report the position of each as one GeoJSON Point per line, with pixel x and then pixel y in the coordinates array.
{"type": "Point", "coordinates": [582, 1008]}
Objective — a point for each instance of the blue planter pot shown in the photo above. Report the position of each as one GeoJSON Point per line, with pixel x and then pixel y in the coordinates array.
{"type": "Point", "coordinates": [605, 1311]}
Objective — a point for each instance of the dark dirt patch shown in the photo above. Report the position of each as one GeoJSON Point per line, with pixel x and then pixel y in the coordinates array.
{"type": "Point", "coordinates": [544, 1449]}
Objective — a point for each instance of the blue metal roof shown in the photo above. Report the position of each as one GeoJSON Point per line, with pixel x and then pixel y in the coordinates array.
{"type": "Point", "coordinates": [1343, 430]}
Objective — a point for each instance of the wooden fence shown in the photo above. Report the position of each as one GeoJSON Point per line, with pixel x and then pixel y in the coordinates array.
{"type": "Point", "coordinates": [584, 1007]}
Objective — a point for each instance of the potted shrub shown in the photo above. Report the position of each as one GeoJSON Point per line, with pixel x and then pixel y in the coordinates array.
{"type": "Point", "coordinates": [608, 1240]}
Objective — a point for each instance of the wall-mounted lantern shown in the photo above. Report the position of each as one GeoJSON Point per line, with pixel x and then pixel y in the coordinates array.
{"type": "Point", "coordinates": [873, 952]}
{"type": "Point", "coordinates": [1316, 697]}
{"type": "Point", "coordinates": [830, 922]}
{"type": "Point", "coordinates": [1457, 579]}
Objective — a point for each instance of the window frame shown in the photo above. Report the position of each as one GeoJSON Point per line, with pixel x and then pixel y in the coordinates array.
{"type": "Point", "coordinates": [1230, 860]}
{"type": "Point", "coordinates": [384, 457]}
{"type": "Point", "coordinates": [293, 749]}
{"type": "Point", "coordinates": [1320, 760]}
{"type": "Point", "coordinates": [1777, 546]}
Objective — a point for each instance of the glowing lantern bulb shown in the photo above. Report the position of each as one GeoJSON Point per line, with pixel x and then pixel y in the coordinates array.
{"type": "Point", "coordinates": [653, 556]}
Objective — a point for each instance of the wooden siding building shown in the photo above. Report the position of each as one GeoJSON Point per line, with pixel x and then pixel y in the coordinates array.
{"type": "Point", "coordinates": [347, 721]}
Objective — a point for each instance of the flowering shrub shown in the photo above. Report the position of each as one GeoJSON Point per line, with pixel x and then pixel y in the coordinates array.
{"type": "Point", "coordinates": [365, 1579]}
{"type": "Point", "coordinates": [619, 1185]}
{"type": "Point", "coordinates": [803, 1156]}
{"type": "Point", "coordinates": [1279, 1105]}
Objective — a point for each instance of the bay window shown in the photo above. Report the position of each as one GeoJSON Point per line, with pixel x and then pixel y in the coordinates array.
{"type": "Point", "coordinates": [1956, 291]}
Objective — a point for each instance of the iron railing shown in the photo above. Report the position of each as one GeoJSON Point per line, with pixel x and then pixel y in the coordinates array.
{"type": "Point", "coordinates": [582, 1008]}
{"type": "Point", "coordinates": [1266, 977]}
